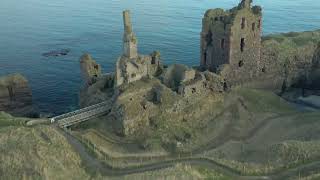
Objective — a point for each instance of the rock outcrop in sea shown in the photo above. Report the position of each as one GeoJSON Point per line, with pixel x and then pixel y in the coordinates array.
{"type": "Point", "coordinates": [16, 95]}
{"type": "Point", "coordinates": [90, 70]}
{"type": "Point", "coordinates": [62, 52]}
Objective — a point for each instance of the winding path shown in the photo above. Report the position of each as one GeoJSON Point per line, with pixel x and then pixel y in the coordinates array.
{"type": "Point", "coordinates": [105, 169]}
{"type": "Point", "coordinates": [98, 165]}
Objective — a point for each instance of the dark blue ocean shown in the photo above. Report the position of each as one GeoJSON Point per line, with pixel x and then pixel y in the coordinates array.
{"type": "Point", "coordinates": [32, 27]}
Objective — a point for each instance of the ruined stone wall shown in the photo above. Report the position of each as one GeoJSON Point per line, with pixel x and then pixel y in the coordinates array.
{"type": "Point", "coordinates": [245, 42]}
{"type": "Point", "coordinates": [193, 88]}
{"type": "Point", "coordinates": [177, 74]}
{"type": "Point", "coordinates": [232, 37]}
{"type": "Point", "coordinates": [202, 84]}
{"type": "Point", "coordinates": [131, 66]}
{"type": "Point", "coordinates": [214, 39]}
{"type": "Point", "coordinates": [131, 70]}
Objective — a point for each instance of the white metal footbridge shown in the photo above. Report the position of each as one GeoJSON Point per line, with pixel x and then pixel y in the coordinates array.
{"type": "Point", "coordinates": [81, 115]}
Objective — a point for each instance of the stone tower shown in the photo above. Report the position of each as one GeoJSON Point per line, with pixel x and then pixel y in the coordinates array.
{"type": "Point", "coordinates": [129, 39]}
{"type": "Point", "coordinates": [232, 37]}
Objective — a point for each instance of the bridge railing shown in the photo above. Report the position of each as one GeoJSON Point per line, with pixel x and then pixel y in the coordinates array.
{"type": "Point", "coordinates": [82, 117]}
{"type": "Point", "coordinates": [83, 110]}
{"type": "Point", "coordinates": [87, 113]}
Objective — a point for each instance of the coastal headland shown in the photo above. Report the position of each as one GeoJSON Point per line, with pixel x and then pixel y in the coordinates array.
{"type": "Point", "coordinates": [247, 111]}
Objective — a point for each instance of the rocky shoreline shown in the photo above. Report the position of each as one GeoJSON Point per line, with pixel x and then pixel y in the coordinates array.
{"type": "Point", "coordinates": [231, 115]}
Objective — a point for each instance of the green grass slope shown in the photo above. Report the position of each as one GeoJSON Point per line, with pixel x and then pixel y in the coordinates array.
{"type": "Point", "coordinates": [36, 153]}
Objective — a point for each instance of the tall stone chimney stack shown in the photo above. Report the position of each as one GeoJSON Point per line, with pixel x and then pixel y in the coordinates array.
{"type": "Point", "coordinates": [129, 39]}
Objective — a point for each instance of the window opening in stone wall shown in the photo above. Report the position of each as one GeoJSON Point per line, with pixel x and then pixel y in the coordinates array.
{"type": "Point", "coordinates": [259, 23]}
{"type": "Point", "coordinates": [225, 86]}
{"type": "Point", "coordinates": [243, 23]}
{"type": "Point", "coordinates": [209, 38]}
{"type": "Point", "coordinates": [222, 43]}
{"type": "Point", "coordinates": [242, 45]}
{"type": "Point", "coordinates": [240, 63]}
{"type": "Point", "coordinates": [216, 18]}
{"type": "Point", "coordinates": [154, 60]}
{"type": "Point", "coordinates": [194, 90]}
{"type": "Point", "coordinates": [253, 26]}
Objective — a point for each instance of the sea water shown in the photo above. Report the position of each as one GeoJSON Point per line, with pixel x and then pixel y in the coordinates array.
{"type": "Point", "coordinates": [30, 28]}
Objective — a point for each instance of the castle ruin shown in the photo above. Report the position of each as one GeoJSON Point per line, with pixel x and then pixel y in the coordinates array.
{"type": "Point", "coordinates": [230, 55]}
{"type": "Point", "coordinates": [232, 37]}
{"type": "Point", "coordinates": [132, 66]}
{"type": "Point", "coordinates": [130, 49]}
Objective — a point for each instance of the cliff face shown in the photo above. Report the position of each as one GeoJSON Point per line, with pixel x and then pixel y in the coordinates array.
{"type": "Point", "coordinates": [97, 92]}
{"type": "Point", "coordinates": [15, 95]}
{"type": "Point", "coordinates": [97, 87]}
{"type": "Point", "coordinates": [90, 70]}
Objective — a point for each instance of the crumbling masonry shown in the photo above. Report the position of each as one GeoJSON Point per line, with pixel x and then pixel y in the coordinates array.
{"type": "Point", "coordinates": [130, 49]}
{"type": "Point", "coordinates": [232, 37]}
{"type": "Point", "coordinates": [132, 66]}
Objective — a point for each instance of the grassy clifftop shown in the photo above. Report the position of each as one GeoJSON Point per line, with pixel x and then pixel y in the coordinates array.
{"type": "Point", "coordinates": [295, 38]}
{"type": "Point", "coordinates": [293, 47]}
{"type": "Point", "coordinates": [35, 153]}
{"type": "Point", "coordinates": [290, 49]}
{"type": "Point", "coordinates": [8, 120]}
{"type": "Point", "coordinates": [289, 58]}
